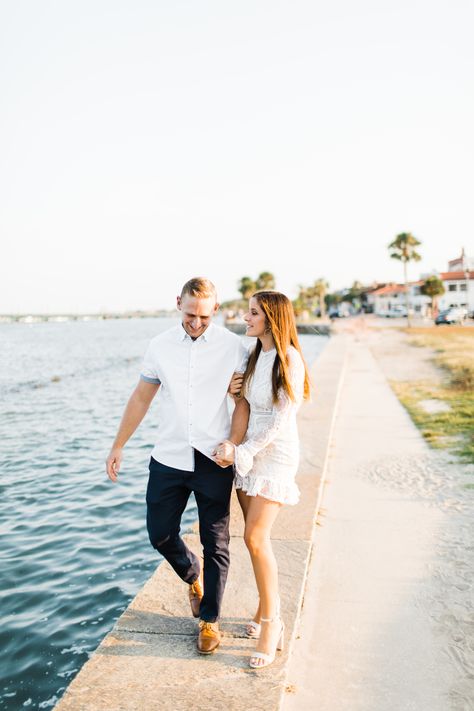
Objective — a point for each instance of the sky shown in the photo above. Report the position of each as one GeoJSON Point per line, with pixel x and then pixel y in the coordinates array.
{"type": "Point", "coordinates": [146, 142]}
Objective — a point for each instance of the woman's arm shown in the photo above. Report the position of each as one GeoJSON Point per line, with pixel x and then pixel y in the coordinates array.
{"type": "Point", "coordinates": [282, 410]}
{"type": "Point", "coordinates": [224, 452]}
{"type": "Point", "coordinates": [244, 453]}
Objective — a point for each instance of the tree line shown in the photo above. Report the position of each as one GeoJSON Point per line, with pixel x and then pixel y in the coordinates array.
{"type": "Point", "coordinates": [317, 299]}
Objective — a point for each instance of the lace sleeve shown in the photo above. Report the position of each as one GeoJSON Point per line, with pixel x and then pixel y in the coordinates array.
{"type": "Point", "coordinates": [280, 414]}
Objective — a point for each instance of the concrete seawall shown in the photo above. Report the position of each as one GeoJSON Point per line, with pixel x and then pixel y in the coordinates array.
{"type": "Point", "coordinates": [149, 659]}
{"type": "Point", "coordinates": [312, 329]}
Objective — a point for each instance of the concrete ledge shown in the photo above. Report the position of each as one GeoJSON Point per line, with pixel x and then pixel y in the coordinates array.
{"type": "Point", "coordinates": [319, 329]}
{"type": "Point", "coordinates": [149, 659]}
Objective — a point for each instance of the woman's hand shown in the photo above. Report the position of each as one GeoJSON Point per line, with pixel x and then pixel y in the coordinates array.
{"type": "Point", "coordinates": [235, 385]}
{"type": "Point", "coordinates": [225, 453]}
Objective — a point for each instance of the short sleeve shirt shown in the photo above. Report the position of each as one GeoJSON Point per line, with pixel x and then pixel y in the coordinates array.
{"type": "Point", "coordinates": [194, 376]}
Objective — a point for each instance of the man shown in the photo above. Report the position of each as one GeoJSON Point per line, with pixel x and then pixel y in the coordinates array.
{"type": "Point", "coordinates": [190, 366]}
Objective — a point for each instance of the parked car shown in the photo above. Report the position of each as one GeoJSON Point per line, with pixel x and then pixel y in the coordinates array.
{"type": "Point", "coordinates": [343, 310]}
{"type": "Point", "coordinates": [396, 312]}
{"type": "Point", "coordinates": [452, 315]}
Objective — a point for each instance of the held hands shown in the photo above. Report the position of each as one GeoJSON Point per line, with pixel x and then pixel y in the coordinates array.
{"type": "Point", "coordinates": [235, 385]}
{"type": "Point", "coordinates": [224, 454]}
{"type": "Point", "coordinates": [113, 462]}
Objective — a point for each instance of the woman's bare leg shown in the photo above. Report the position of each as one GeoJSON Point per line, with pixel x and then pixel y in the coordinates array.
{"type": "Point", "coordinates": [261, 514]}
{"type": "Point", "coordinates": [244, 502]}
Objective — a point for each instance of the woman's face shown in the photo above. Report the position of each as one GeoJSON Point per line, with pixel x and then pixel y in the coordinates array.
{"type": "Point", "coordinates": [255, 319]}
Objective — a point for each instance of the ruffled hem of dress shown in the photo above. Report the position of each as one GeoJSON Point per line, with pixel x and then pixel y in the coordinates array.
{"type": "Point", "coordinates": [280, 492]}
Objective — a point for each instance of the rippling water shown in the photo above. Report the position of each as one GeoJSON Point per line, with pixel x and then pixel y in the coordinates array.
{"type": "Point", "coordinates": [74, 546]}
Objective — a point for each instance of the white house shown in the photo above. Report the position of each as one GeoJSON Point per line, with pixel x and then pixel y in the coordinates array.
{"type": "Point", "coordinates": [383, 299]}
{"type": "Point", "coordinates": [388, 297]}
{"type": "Point", "coordinates": [458, 283]}
{"type": "Point", "coordinates": [461, 263]}
{"type": "Point", "coordinates": [459, 290]}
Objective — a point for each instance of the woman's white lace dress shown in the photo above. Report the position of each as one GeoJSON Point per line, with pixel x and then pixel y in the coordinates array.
{"type": "Point", "coordinates": [267, 461]}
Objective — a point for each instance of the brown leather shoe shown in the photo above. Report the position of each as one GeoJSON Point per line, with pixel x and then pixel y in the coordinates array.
{"type": "Point", "coordinates": [195, 595]}
{"type": "Point", "coordinates": [209, 637]}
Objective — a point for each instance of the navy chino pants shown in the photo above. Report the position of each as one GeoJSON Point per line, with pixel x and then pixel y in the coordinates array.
{"type": "Point", "coordinates": [167, 494]}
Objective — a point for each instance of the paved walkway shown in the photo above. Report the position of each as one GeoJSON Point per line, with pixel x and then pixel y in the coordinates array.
{"type": "Point", "coordinates": [366, 640]}
{"type": "Point", "coordinates": [149, 660]}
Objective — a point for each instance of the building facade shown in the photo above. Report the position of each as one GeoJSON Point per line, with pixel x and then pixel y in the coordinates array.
{"type": "Point", "coordinates": [458, 284]}
{"type": "Point", "coordinates": [387, 299]}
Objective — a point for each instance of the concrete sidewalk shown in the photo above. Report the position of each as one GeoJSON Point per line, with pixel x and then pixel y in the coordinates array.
{"type": "Point", "coordinates": [366, 640]}
{"type": "Point", "coordinates": [149, 660]}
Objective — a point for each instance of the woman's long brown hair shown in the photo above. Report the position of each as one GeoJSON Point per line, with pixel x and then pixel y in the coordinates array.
{"type": "Point", "coordinates": [280, 319]}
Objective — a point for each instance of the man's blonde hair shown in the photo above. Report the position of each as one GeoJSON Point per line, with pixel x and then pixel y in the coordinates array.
{"type": "Point", "coordinates": [199, 286]}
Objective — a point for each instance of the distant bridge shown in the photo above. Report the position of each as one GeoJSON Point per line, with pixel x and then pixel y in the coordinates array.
{"type": "Point", "coordinates": [39, 318]}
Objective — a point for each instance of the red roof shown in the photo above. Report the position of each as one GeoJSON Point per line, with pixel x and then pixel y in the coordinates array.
{"type": "Point", "coordinates": [453, 276]}
{"type": "Point", "coordinates": [389, 289]}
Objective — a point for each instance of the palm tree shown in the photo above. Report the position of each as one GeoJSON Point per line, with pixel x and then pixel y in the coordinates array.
{"type": "Point", "coordinates": [404, 248]}
{"type": "Point", "coordinates": [355, 294]}
{"type": "Point", "coordinates": [265, 281]}
{"type": "Point", "coordinates": [433, 287]}
{"type": "Point", "coordinates": [246, 287]}
{"type": "Point", "coordinates": [319, 289]}
{"type": "Point", "coordinates": [300, 303]}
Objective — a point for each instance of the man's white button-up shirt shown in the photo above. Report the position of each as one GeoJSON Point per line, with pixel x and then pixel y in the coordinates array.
{"type": "Point", "coordinates": [194, 377]}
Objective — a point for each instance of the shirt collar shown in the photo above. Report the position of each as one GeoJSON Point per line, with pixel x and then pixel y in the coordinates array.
{"type": "Point", "coordinates": [206, 336]}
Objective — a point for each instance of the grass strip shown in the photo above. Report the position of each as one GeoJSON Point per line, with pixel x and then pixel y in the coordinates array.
{"type": "Point", "coordinates": [454, 347]}
{"type": "Point", "coordinates": [454, 353]}
{"type": "Point", "coordinates": [448, 430]}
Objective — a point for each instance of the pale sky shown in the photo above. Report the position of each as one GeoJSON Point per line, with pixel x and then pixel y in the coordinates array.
{"type": "Point", "coordinates": [145, 142]}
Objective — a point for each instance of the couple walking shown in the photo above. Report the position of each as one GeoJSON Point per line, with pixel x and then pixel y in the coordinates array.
{"type": "Point", "coordinates": [201, 449]}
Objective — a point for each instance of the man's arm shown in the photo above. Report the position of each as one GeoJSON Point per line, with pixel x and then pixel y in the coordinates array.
{"type": "Point", "coordinates": [135, 411]}
{"type": "Point", "coordinates": [240, 421]}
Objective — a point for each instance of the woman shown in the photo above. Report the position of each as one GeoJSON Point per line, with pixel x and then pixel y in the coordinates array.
{"type": "Point", "coordinates": [275, 382]}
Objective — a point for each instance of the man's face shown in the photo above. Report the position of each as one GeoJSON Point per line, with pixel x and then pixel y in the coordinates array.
{"type": "Point", "coordinates": [196, 313]}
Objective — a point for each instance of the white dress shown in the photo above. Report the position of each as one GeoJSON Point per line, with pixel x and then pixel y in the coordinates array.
{"type": "Point", "coordinates": [267, 461]}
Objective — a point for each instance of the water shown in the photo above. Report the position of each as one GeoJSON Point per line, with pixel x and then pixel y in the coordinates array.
{"type": "Point", "coordinates": [74, 546]}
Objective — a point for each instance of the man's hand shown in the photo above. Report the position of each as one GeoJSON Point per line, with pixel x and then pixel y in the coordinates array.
{"type": "Point", "coordinates": [134, 413]}
{"type": "Point", "coordinates": [113, 462]}
{"type": "Point", "coordinates": [224, 454]}
{"type": "Point", "coordinates": [235, 385]}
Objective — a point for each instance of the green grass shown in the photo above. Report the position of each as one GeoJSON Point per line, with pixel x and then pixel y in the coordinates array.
{"type": "Point", "coordinates": [454, 353]}
{"type": "Point", "coordinates": [448, 430]}
{"type": "Point", "coordinates": [454, 347]}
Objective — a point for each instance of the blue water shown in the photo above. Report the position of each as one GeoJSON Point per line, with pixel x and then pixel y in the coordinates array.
{"type": "Point", "coordinates": [74, 546]}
